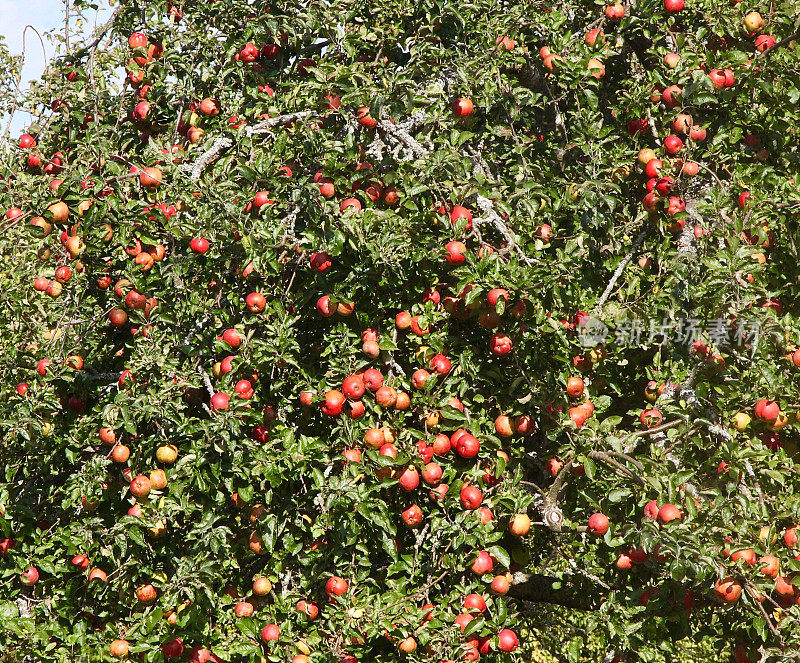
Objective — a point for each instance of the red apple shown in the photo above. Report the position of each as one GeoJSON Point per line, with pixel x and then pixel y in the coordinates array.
{"type": "Point", "coordinates": [598, 524]}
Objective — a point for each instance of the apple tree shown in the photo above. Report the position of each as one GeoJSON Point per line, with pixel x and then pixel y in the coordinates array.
{"type": "Point", "coordinates": [429, 331]}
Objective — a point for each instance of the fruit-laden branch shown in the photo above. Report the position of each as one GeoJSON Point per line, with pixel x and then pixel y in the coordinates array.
{"type": "Point", "coordinates": [782, 42]}
{"type": "Point", "coordinates": [221, 143]}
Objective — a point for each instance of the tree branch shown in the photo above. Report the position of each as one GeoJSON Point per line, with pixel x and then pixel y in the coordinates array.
{"type": "Point", "coordinates": [782, 42]}
{"type": "Point", "coordinates": [195, 169]}
{"type": "Point", "coordinates": [267, 125]}
{"type": "Point", "coordinates": [606, 458]}
{"type": "Point", "coordinates": [490, 215]}
{"type": "Point", "coordinates": [102, 33]}
{"type": "Point", "coordinates": [620, 268]}
{"type": "Point", "coordinates": [539, 588]}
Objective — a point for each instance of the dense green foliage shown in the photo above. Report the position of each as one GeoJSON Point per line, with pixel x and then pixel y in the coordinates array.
{"type": "Point", "coordinates": [449, 202]}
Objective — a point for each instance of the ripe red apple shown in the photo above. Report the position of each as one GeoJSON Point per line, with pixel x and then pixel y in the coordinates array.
{"type": "Point", "coordinates": [763, 43]}
{"type": "Point", "coordinates": [140, 486]}
{"type": "Point", "coordinates": [483, 563]}
{"type": "Point", "coordinates": [441, 364]}
{"type": "Point", "coordinates": [151, 177]}
{"type": "Point", "coordinates": [172, 648]}
{"type": "Point", "coordinates": [270, 632]}
{"type": "Point", "coordinates": [728, 590]}
{"type": "Point", "coordinates": [141, 110]}
{"type": "Point", "coordinates": [673, 6]}
{"type": "Point", "coordinates": [373, 379]}
{"type": "Point", "coordinates": [466, 445]}
{"type": "Point", "coordinates": [432, 473]}
{"type": "Point", "coordinates": [30, 576]}
{"type": "Point", "coordinates": [199, 245]}
{"type": "Point", "coordinates": [500, 344]}
{"type": "Point", "coordinates": [503, 426]}
{"type": "Point", "coordinates": [353, 387]}
{"type": "Point", "coordinates": [650, 418]}
{"type": "Point", "coordinates": [593, 36]}
{"type": "Point", "coordinates": [409, 478]}
{"type": "Point", "coordinates": [334, 403]}
{"type": "Point", "coordinates": [651, 509]}
{"type": "Point", "coordinates": [748, 555]}
{"type": "Point", "coordinates": [137, 40]}
{"type": "Point", "coordinates": [769, 565]}
{"type": "Point", "coordinates": [505, 43]}
{"type": "Point", "coordinates": [412, 516]}
{"type": "Point", "coordinates": [596, 68]}
{"type": "Point", "coordinates": [308, 608]}
{"type": "Point", "coordinates": [249, 52]}
{"type": "Point", "coordinates": [507, 640]}
{"type": "Point", "coordinates": [670, 95]}
{"type": "Point", "coordinates": [459, 213]}
{"type": "Point", "coordinates": [335, 586]}
{"type": "Point", "coordinates": [697, 134]}
{"type": "Point", "coordinates": [672, 144]}
{"type": "Point", "coordinates": [500, 585]}
{"type": "Point", "coordinates": [766, 410]}
{"type": "Point", "coordinates": [462, 107]}
{"type": "Point", "coordinates": [575, 387]}
{"type": "Point", "coordinates": [598, 524]}
{"type": "Point", "coordinates": [232, 338]}
{"type": "Point", "coordinates": [471, 496]}
{"type": "Point", "coordinates": [615, 12]}
{"type": "Point", "coordinates": [455, 252]}
{"type": "Point", "coordinates": [364, 118]}
{"type": "Point", "coordinates": [416, 326]}
{"type": "Point", "coordinates": [209, 106]}
{"type": "Point", "coordinates": [653, 168]}
{"type": "Point", "coordinates": [146, 593]}
{"type": "Point", "coordinates": [350, 203]}
{"type": "Point", "coordinates": [220, 401]}
{"type": "Point", "coordinates": [474, 603]}
{"type": "Point", "coordinates": [667, 513]}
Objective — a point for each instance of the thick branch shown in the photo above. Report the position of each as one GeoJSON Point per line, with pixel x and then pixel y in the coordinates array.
{"type": "Point", "coordinates": [267, 125]}
{"type": "Point", "coordinates": [539, 588]}
{"type": "Point", "coordinates": [196, 169]}
{"type": "Point", "coordinates": [558, 484]}
{"type": "Point", "coordinates": [606, 458]}
{"type": "Point", "coordinates": [490, 215]}
{"type": "Point", "coordinates": [620, 268]}
{"type": "Point", "coordinates": [405, 138]}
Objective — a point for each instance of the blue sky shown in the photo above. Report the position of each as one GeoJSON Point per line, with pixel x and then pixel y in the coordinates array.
{"type": "Point", "coordinates": [44, 15]}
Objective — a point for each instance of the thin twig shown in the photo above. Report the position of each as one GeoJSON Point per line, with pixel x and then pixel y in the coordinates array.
{"type": "Point", "coordinates": [102, 33]}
